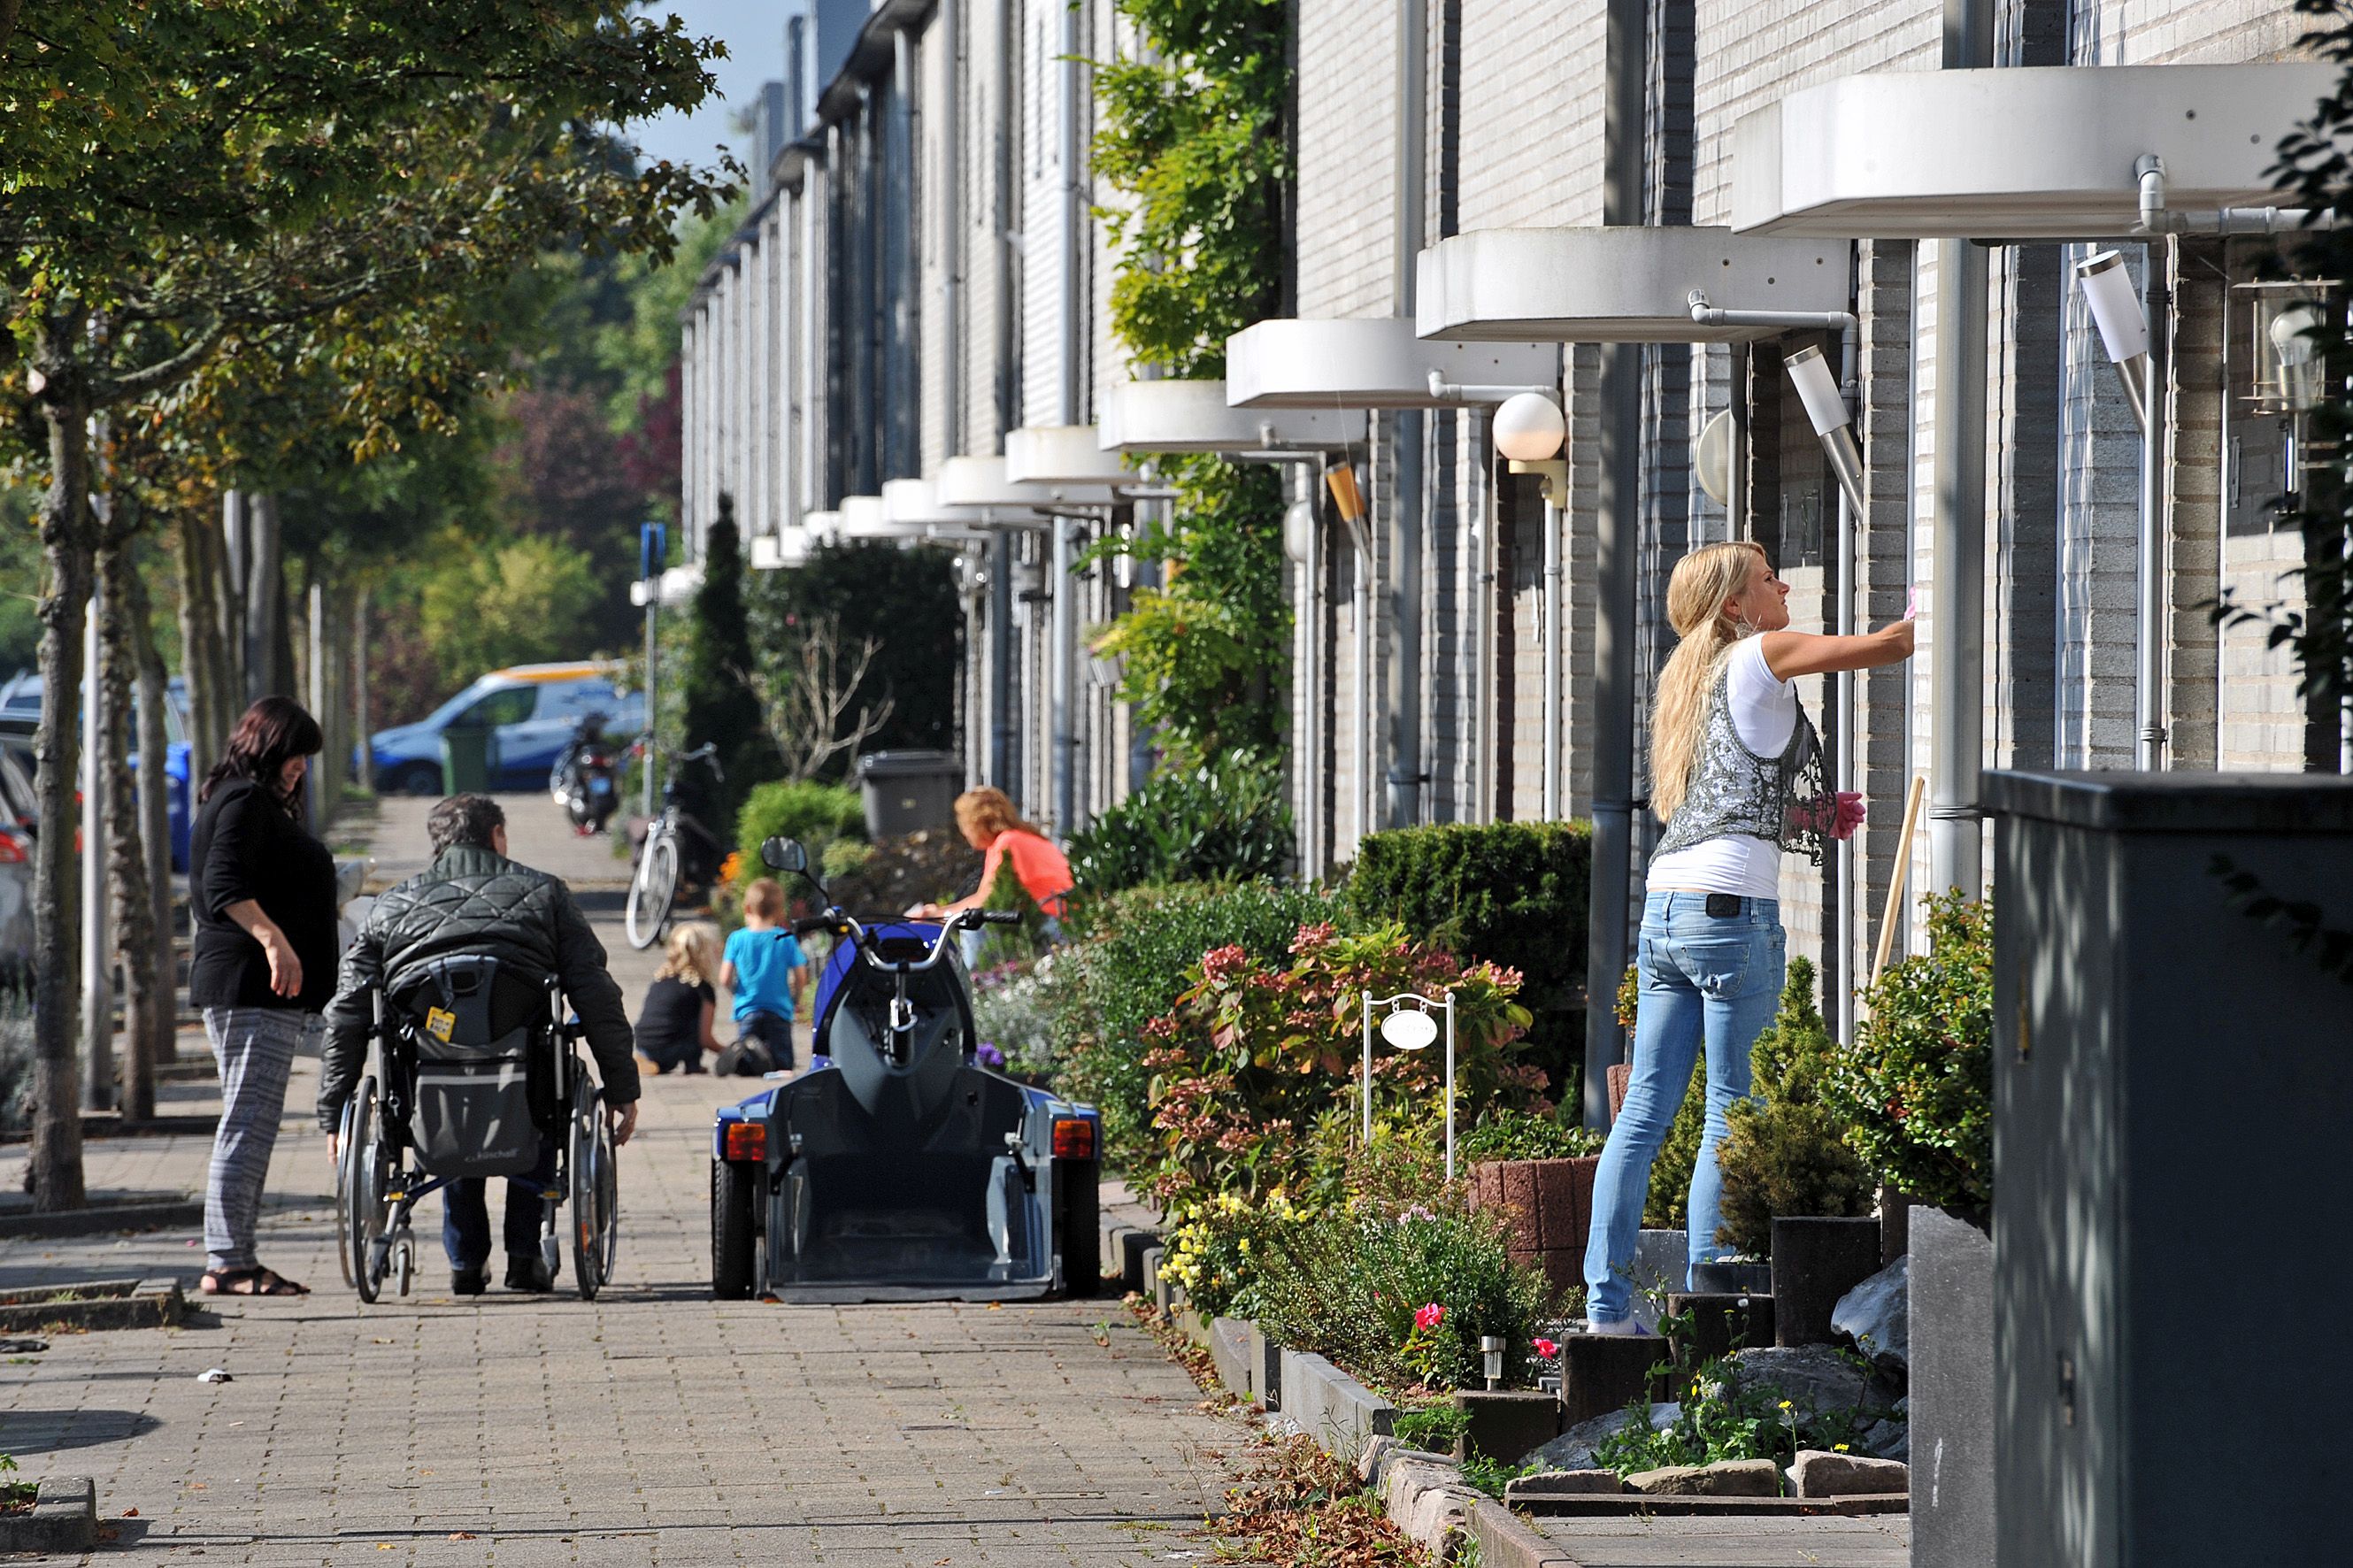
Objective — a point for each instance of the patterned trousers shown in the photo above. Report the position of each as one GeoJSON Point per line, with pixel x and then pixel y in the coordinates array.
{"type": "Point", "coordinates": [255, 1049]}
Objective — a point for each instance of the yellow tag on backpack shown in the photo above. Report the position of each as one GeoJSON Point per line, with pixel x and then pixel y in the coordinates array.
{"type": "Point", "coordinates": [441, 1024]}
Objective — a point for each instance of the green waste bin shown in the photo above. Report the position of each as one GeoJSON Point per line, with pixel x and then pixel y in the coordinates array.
{"type": "Point", "coordinates": [466, 759]}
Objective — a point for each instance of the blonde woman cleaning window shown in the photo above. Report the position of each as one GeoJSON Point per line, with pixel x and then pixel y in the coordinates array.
{"type": "Point", "coordinates": [1736, 776]}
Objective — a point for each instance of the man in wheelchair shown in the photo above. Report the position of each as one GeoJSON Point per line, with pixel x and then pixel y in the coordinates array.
{"type": "Point", "coordinates": [424, 950]}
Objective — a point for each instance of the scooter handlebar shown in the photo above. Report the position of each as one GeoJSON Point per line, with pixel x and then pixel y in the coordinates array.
{"type": "Point", "coordinates": [1001, 917]}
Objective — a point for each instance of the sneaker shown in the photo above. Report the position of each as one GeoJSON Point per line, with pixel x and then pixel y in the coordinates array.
{"type": "Point", "coordinates": [468, 1281]}
{"type": "Point", "coordinates": [1624, 1326]}
{"type": "Point", "coordinates": [525, 1272]}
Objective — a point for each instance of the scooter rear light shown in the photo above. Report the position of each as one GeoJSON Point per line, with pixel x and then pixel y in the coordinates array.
{"type": "Point", "coordinates": [1074, 1137]}
{"type": "Point", "coordinates": [12, 853]}
{"type": "Point", "coordinates": [748, 1141]}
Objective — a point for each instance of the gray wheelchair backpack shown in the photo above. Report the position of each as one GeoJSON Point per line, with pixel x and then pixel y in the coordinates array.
{"type": "Point", "coordinates": [485, 1048]}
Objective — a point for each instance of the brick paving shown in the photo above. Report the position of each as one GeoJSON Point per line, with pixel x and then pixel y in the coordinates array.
{"type": "Point", "coordinates": [654, 1426]}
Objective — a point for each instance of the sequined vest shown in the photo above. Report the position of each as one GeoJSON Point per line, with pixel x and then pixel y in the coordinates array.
{"type": "Point", "coordinates": [1734, 790]}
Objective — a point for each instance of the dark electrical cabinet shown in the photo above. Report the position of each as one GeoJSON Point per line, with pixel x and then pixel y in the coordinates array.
{"type": "Point", "coordinates": [2173, 1149]}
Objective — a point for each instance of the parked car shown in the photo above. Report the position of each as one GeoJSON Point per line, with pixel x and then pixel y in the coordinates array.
{"type": "Point", "coordinates": [20, 716]}
{"type": "Point", "coordinates": [532, 708]}
{"type": "Point", "coordinates": [20, 812]}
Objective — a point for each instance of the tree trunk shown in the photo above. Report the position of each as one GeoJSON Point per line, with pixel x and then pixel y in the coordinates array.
{"type": "Point", "coordinates": [195, 554]}
{"type": "Point", "coordinates": [55, 1177]}
{"type": "Point", "coordinates": [130, 909]}
{"type": "Point", "coordinates": [155, 825]}
{"type": "Point", "coordinates": [228, 601]}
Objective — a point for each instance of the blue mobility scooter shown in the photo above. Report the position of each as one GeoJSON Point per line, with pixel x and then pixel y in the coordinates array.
{"type": "Point", "coordinates": [896, 1168]}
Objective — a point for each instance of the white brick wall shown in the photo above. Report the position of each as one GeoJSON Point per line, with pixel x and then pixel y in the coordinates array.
{"type": "Point", "coordinates": [1532, 75]}
{"type": "Point", "coordinates": [1346, 156]}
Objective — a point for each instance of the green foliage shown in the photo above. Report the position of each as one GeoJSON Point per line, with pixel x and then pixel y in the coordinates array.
{"type": "Point", "coordinates": [1914, 1091]}
{"type": "Point", "coordinates": [1360, 1286]}
{"type": "Point", "coordinates": [1130, 969]}
{"type": "Point", "coordinates": [1211, 824]}
{"type": "Point", "coordinates": [1516, 893]}
{"type": "Point", "coordinates": [721, 706]}
{"type": "Point", "coordinates": [1253, 1053]}
{"type": "Point", "coordinates": [1192, 138]}
{"type": "Point", "coordinates": [514, 603]}
{"type": "Point", "coordinates": [1434, 1427]}
{"type": "Point", "coordinates": [1781, 1154]}
{"type": "Point", "coordinates": [1017, 944]}
{"type": "Point", "coordinates": [1724, 1416]}
{"type": "Point", "coordinates": [904, 599]}
{"type": "Point", "coordinates": [816, 814]}
{"type": "Point", "coordinates": [1509, 1133]}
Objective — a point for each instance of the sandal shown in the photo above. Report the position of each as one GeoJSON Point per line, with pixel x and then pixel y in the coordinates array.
{"type": "Point", "coordinates": [255, 1281]}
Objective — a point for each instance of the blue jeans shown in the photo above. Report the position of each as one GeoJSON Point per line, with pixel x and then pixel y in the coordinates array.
{"type": "Point", "coordinates": [1715, 978]}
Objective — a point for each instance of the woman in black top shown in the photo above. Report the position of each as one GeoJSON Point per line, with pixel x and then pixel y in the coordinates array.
{"type": "Point", "coordinates": [261, 968]}
{"type": "Point", "coordinates": [675, 1026]}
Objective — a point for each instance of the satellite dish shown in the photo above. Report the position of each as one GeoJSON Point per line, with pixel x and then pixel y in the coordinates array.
{"type": "Point", "coordinates": [1412, 1030]}
{"type": "Point", "coordinates": [1712, 458]}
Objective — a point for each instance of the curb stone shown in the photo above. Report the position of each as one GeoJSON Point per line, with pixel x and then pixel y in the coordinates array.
{"type": "Point", "coordinates": [1505, 1542]}
{"type": "Point", "coordinates": [154, 1303]}
{"type": "Point", "coordinates": [63, 1518]}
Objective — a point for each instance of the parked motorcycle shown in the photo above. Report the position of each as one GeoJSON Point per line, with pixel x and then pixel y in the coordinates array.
{"type": "Point", "coordinates": [587, 778]}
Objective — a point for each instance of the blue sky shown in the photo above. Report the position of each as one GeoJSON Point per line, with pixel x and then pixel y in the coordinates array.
{"type": "Point", "coordinates": [753, 31]}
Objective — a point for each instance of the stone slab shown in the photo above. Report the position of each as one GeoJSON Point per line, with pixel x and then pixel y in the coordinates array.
{"type": "Point", "coordinates": [1662, 1264]}
{"type": "Point", "coordinates": [1229, 1352]}
{"type": "Point", "coordinates": [94, 1305]}
{"type": "Point", "coordinates": [1508, 1424]}
{"type": "Point", "coordinates": [1952, 1391]}
{"type": "Point", "coordinates": [1265, 1369]}
{"type": "Point", "coordinates": [1601, 1505]}
{"type": "Point", "coordinates": [1717, 1541]}
{"type": "Point", "coordinates": [1604, 1372]}
{"type": "Point", "coordinates": [1340, 1413]}
{"type": "Point", "coordinates": [62, 1520]}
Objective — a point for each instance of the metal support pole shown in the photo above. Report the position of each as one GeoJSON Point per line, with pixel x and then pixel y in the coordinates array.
{"type": "Point", "coordinates": [1364, 1082]}
{"type": "Point", "coordinates": [97, 962]}
{"type": "Point", "coordinates": [949, 18]}
{"type": "Point", "coordinates": [651, 562]}
{"type": "Point", "coordinates": [1401, 680]}
{"type": "Point", "coordinates": [2156, 444]}
{"type": "Point", "coordinates": [1956, 545]}
{"type": "Point", "coordinates": [1307, 677]}
{"type": "Point", "coordinates": [1450, 1086]}
{"type": "Point", "coordinates": [1062, 677]}
{"type": "Point", "coordinates": [1619, 522]}
{"type": "Point", "coordinates": [1555, 657]}
{"type": "Point", "coordinates": [1000, 664]}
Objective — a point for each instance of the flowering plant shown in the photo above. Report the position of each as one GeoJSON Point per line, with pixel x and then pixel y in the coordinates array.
{"type": "Point", "coordinates": [1253, 1053]}
{"type": "Point", "coordinates": [1832, 815]}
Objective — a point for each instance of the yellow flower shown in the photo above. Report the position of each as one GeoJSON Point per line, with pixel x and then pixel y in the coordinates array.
{"type": "Point", "coordinates": [1839, 1447]}
{"type": "Point", "coordinates": [1785, 1405]}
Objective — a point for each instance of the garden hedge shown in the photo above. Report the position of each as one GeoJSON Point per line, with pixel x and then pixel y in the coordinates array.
{"type": "Point", "coordinates": [1512, 892]}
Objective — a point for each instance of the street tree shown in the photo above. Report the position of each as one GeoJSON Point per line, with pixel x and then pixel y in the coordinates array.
{"type": "Point", "coordinates": [191, 186]}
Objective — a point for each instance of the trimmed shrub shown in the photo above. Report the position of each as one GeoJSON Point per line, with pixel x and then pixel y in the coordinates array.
{"type": "Point", "coordinates": [1512, 893]}
{"type": "Point", "coordinates": [1781, 1154]}
{"type": "Point", "coordinates": [1914, 1091]}
{"type": "Point", "coordinates": [1132, 969]}
{"type": "Point", "coordinates": [1224, 822]}
{"type": "Point", "coordinates": [1507, 1132]}
{"type": "Point", "coordinates": [816, 814]}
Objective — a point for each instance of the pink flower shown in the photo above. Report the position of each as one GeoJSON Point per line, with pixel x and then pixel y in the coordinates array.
{"type": "Point", "coordinates": [1220, 962]}
{"type": "Point", "coordinates": [1428, 1316]}
{"type": "Point", "coordinates": [1547, 1349]}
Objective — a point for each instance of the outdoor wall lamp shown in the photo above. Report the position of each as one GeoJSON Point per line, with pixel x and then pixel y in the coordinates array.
{"type": "Point", "coordinates": [1528, 429]}
{"type": "Point", "coordinates": [1491, 1358]}
{"type": "Point", "coordinates": [2124, 326]}
{"type": "Point", "coordinates": [1818, 389]}
{"type": "Point", "coordinates": [1299, 533]}
{"type": "Point", "coordinates": [1407, 1026]}
{"type": "Point", "coordinates": [2140, 356]}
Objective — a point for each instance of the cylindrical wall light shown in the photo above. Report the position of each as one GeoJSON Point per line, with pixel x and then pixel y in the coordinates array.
{"type": "Point", "coordinates": [1818, 389]}
{"type": "Point", "coordinates": [2124, 326]}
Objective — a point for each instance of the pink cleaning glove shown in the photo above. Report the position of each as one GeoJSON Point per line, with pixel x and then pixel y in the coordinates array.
{"type": "Point", "coordinates": [1851, 813]}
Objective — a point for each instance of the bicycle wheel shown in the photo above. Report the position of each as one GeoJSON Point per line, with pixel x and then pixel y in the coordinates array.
{"type": "Point", "coordinates": [594, 1195]}
{"type": "Point", "coordinates": [651, 889]}
{"type": "Point", "coordinates": [361, 1176]}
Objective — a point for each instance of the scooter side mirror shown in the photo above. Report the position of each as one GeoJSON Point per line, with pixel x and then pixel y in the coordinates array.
{"type": "Point", "coordinates": [785, 855]}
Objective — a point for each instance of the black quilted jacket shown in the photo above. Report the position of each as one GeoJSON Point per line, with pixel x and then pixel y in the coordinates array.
{"type": "Point", "coordinates": [472, 901]}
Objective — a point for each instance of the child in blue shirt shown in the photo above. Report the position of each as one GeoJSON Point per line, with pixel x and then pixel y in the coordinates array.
{"type": "Point", "coordinates": [763, 967]}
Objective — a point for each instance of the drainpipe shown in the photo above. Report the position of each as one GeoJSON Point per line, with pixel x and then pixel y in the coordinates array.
{"type": "Point", "coordinates": [2156, 450]}
{"type": "Point", "coordinates": [1481, 651]}
{"type": "Point", "coordinates": [1061, 673]}
{"type": "Point", "coordinates": [1555, 657]}
{"type": "Point", "coordinates": [1627, 75]}
{"type": "Point", "coordinates": [1401, 681]}
{"type": "Point", "coordinates": [1062, 619]}
{"type": "Point", "coordinates": [905, 379]}
{"type": "Point", "coordinates": [951, 25]}
{"type": "Point", "coordinates": [1004, 754]}
{"type": "Point", "coordinates": [1957, 546]}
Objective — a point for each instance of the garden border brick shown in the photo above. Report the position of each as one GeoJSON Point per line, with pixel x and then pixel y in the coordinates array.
{"type": "Point", "coordinates": [63, 1518]}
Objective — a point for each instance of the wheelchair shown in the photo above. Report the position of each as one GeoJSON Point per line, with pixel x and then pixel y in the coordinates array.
{"type": "Point", "coordinates": [475, 1074]}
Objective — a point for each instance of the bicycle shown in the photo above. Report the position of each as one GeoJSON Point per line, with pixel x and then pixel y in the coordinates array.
{"type": "Point", "coordinates": [663, 859]}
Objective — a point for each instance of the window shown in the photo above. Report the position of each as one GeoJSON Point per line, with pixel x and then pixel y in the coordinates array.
{"type": "Point", "coordinates": [512, 706]}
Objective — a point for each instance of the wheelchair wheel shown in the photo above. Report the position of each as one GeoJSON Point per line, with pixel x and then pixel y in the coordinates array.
{"type": "Point", "coordinates": [361, 1178]}
{"type": "Point", "coordinates": [651, 889]}
{"type": "Point", "coordinates": [594, 1194]}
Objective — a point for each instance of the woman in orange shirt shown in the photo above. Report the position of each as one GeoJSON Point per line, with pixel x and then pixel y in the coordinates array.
{"type": "Point", "coordinates": [989, 824]}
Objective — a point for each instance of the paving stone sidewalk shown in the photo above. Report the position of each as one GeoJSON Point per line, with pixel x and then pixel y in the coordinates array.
{"type": "Point", "coordinates": [653, 1426]}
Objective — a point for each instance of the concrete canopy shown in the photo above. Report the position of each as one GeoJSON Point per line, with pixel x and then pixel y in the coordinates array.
{"type": "Point", "coordinates": [1066, 460]}
{"type": "Point", "coordinates": [915, 503]}
{"type": "Point", "coordinates": [1145, 416]}
{"type": "Point", "coordinates": [2021, 152]}
{"type": "Point", "coordinates": [977, 488]}
{"type": "Point", "coordinates": [868, 517]}
{"type": "Point", "coordinates": [770, 552]}
{"type": "Point", "coordinates": [1618, 284]}
{"type": "Point", "coordinates": [1373, 362]}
